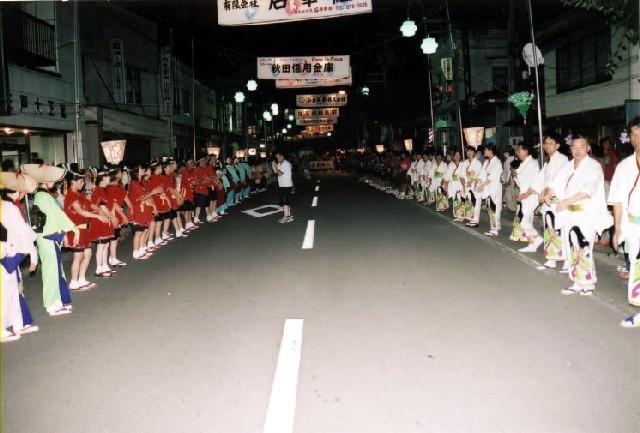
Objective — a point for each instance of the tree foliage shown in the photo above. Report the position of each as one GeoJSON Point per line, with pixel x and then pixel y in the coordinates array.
{"type": "Point", "coordinates": [621, 15]}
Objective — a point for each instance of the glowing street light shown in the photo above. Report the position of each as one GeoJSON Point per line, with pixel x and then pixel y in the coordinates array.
{"type": "Point", "coordinates": [429, 45]}
{"type": "Point", "coordinates": [267, 116]}
{"type": "Point", "coordinates": [239, 97]}
{"type": "Point", "coordinates": [408, 28]}
{"type": "Point", "coordinates": [274, 109]}
{"type": "Point", "coordinates": [252, 85]}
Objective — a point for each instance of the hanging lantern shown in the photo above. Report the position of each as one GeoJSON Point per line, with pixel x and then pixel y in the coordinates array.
{"type": "Point", "coordinates": [113, 150]}
{"type": "Point", "coordinates": [408, 28]}
{"type": "Point", "coordinates": [474, 136]}
{"type": "Point", "coordinates": [429, 45]}
{"type": "Point", "coordinates": [252, 85]}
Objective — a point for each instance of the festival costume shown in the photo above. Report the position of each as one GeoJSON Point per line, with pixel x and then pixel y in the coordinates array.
{"type": "Point", "coordinates": [436, 175]}
{"type": "Point", "coordinates": [100, 231]}
{"type": "Point", "coordinates": [455, 188]}
{"type": "Point", "coordinates": [472, 198]}
{"type": "Point", "coordinates": [491, 192]}
{"type": "Point", "coordinates": [523, 221]}
{"type": "Point", "coordinates": [584, 219]}
{"type": "Point", "coordinates": [18, 244]}
{"type": "Point", "coordinates": [55, 291]}
{"type": "Point", "coordinates": [162, 204]}
{"type": "Point", "coordinates": [625, 191]}
{"type": "Point", "coordinates": [81, 222]}
{"type": "Point", "coordinates": [141, 212]}
{"type": "Point", "coordinates": [555, 245]}
{"type": "Point", "coordinates": [117, 193]}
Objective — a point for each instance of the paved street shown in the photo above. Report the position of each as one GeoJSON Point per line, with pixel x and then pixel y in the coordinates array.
{"type": "Point", "coordinates": [411, 323]}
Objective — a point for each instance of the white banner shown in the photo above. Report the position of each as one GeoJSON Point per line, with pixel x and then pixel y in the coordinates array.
{"type": "Point", "coordinates": [165, 81]}
{"type": "Point", "coordinates": [318, 129]}
{"type": "Point", "coordinates": [326, 100]}
{"type": "Point", "coordinates": [304, 121]}
{"type": "Point", "coordinates": [296, 83]}
{"type": "Point", "coordinates": [317, 112]}
{"type": "Point", "coordinates": [304, 67]}
{"type": "Point", "coordinates": [247, 12]}
{"type": "Point", "coordinates": [119, 77]}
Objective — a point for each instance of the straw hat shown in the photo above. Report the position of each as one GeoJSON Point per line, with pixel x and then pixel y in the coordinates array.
{"type": "Point", "coordinates": [18, 182]}
{"type": "Point", "coordinates": [43, 172]}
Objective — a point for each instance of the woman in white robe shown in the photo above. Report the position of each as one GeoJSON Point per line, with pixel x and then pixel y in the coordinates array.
{"type": "Point", "coordinates": [528, 201]}
{"type": "Point", "coordinates": [581, 213]}
{"type": "Point", "coordinates": [453, 183]}
{"type": "Point", "coordinates": [470, 169]}
{"type": "Point", "coordinates": [436, 176]}
{"type": "Point", "coordinates": [489, 185]}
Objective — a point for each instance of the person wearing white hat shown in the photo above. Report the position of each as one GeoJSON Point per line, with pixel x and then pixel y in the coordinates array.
{"type": "Point", "coordinates": [16, 242]}
{"type": "Point", "coordinates": [55, 291]}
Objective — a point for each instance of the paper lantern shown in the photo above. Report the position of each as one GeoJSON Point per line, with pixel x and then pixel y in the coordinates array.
{"type": "Point", "coordinates": [113, 150]}
{"type": "Point", "coordinates": [474, 136]}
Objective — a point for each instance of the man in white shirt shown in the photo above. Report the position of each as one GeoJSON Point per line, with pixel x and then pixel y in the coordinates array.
{"type": "Point", "coordinates": [282, 168]}
{"type": "Point", "coordinates": [624, 196]}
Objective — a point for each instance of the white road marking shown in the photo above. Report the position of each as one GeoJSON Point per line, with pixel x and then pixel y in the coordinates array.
{"type": "Point", "coordinates": [254, 212]}
{"type": "Point", "coordinates": [282, 404]}
{"type": "Point", "coordinates": [315, 202]}
{"type": "Point", "coordinates": [317, 188]}
{"type": "Point", "coordinates": [307, 244]}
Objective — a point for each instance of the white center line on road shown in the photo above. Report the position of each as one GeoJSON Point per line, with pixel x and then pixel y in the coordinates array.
{"type": "Point", "coordinates": [282, 404]}
{"type": "Point", "coordinates": [307, 244]}
{"type": "Point", "coordinates": [317, 188]}
{"type": "Point", "coordinates": [314, 203]}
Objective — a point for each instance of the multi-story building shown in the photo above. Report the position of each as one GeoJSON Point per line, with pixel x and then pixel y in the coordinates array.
{"type": "Point", "coordinates": [37, 92]}
{"type": "Point", "coordinates": [120, 79]}
{"type": "Point", "coordinates": [581, 94]}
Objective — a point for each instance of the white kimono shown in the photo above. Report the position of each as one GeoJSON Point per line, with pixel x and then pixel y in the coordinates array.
{"type": "Point", "coordinates": [526, 176]}
{"type": "Point", "coordinates": [20, 240]}
{"type": "Point", "coordinates": [470, 171]}
{"type": "Point", "coordinates": [585, 218]}
{"type": "Point", "coordinates": [491, 174]}
{"type": "Point", "coordinates": [623, 193]}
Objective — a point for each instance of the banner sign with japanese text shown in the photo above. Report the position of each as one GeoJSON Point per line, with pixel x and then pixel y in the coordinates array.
{"type": "Point", "coordinates": [304, 121]}
{"type": "Point", "coordinates": [119, 80]}
{"type": "Point", "coordinates": [318, 129]}
{"type": "Point", "coordinates": [319, 112]}
{"type": "Point", "coordinates": [248, 12]}
{"type": "Point", "coordinates": [304, 84]}
{"type": "Point", "coordinates": [272, 68]}
{"type": "Point", "coordinates": [165, 81]}
{"type": "Point", "coordinates": [326, 100]}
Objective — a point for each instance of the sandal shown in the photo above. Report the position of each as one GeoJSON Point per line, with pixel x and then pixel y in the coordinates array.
{"type": "Point", "coordinates": [569, 291]}
{"type": "Point", "coordinates": [491, 233]}
{"type": "Point", "coordinates": [631, 322]}
{"type": "Point", "coordinates": [587, 292]}
{"type": "Point", "coordinates": [103, 274]}
{"type": "Point", "coordinates": [87, 286]}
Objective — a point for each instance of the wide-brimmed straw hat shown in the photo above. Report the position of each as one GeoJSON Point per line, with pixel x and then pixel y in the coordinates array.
{"type": "Point", "coordinates": [17, 182]}
{"type": "Point", "coordinates": [44, 172]}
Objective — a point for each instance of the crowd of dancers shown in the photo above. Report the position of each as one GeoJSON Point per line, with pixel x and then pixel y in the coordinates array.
{"type": "Point", "coordinates": [567, 192]}
{"type": "Point", "coordinates": [85, 212]}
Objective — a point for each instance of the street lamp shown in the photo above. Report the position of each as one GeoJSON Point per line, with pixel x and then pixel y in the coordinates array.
{"type": "Point", "coordinates": [274, 109]}
{"type": "Point", "coordinates": [239, 97]}
{"type": "Point", "coordinates": [252, 85]}
{"type": "Point", "coordinates": [429, 45]}
{"type": "Point", "coordinates": [408, 28]}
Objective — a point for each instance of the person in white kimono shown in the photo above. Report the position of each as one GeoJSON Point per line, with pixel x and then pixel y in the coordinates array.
{"type": "Point", "coordinates": [555, 249]}
{"type": "Point", "coordinates": [453, 183]}
{"type": "Point", "coordinates": [470, 169]}
{"type": "Point", "coordinates": [581, 213]}
{"type": "Point", "coordinates": [418, 182]}
{"type": "Point", "coordinates": [527, 201]}
{"type": "Point", "coordinates": [17, 240]}
{"type": "Point", "coordinates": [424, 176]}
{"type": "Point", "coordinates": [413, 176]}
{"type": "Point", "coordinates": [488, 184]}
{"type": "Point", "coordinates": [436, 176]}
{"type": "Point", "coordinates": [624, 196]}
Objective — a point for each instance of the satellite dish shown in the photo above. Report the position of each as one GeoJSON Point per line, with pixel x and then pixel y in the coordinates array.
{"type": "Point", "coordinates": [530, 58]}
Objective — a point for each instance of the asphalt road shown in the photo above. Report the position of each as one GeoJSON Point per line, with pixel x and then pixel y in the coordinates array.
{"type": "Point", "coordinates": [412, 323]}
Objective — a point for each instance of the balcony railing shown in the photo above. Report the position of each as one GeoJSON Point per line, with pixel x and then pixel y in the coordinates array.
{"type": "Point", "coordinates": [32, 41]}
